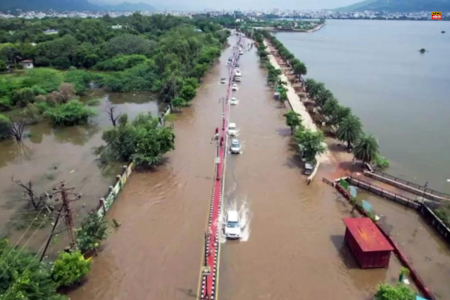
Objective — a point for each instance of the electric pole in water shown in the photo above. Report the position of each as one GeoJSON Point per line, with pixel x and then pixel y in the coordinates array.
{"type": "Point", "coordinates": [65, 193]}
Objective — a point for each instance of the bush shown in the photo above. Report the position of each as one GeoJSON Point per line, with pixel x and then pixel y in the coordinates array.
{"type": "Point", "coordinates": [381, 162]}
{"type": "Point", "coordinates": [48, 79]}
{"type": "Point", "coordinates": [5, 103]}
{"type": "Point", "coordinates": [70, 268]}
{"type": "Point", "coordinates": [79, 79]}
{"type": "Point", "coordinates": [121, 63]}
{"type": "Point", "coordinates": [23, 96]}
{"type": "Point", "coordinates": [71, 113]}
{"type": "Point", "coordinates": [399, 292]}
{"type": "Point", "coordinates": [188, 92]}
{"type": "Point", "coordinates": [61, 62]}
{"type": "Point", "coordinates": [92, 232]}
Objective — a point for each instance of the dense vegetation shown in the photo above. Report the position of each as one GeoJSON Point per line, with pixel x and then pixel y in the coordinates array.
{"type": "Point", "coordinates": [156, 53]}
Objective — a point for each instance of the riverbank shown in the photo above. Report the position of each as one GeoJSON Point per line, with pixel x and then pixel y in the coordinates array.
{"type": "Point", "coordinates": [273, 29]}
{"type": "Point", "coordinates": [295, 103]}
{"type": "Point", "coordinates": [343, 164]}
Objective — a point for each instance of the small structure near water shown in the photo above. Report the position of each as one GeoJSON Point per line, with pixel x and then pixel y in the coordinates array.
{"type": "Point", "coordinates": [369, 246]}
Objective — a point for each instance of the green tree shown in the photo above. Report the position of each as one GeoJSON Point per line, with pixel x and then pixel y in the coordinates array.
{"type": "Point", "coordinates": [313, 87]}
{"type": "Point", "coordinates": [322, 97]}
{"type": "Point", "coordinates": [128, 44]}
{"type": "Point", "coordinates": [330, 108]}
{"type": "Point", "coordinates": [389, 292]}
{"type": "Point", "coordinates": [341, 113]}
{"type": "Point", "coordinates": [142, 141]}
{"type": "Point", "coordinates": [70, 268]}
{"type": "Point", "coordinates": [73, 112]}
{"type": "Point", "coordinates": [48, 79]}
{"type": "Point", "coordinates": [93, 231]}
{"type": "Point", "coordinates": [23, 276]}
{"type": "Point", "coordinates": [349, 130]}
{"type": "Point", "coordinates": [366, 148]}
{"type": "Point", "coordinates": [312, 143]}
{"type": "Point", "coordinates": [188, 92]}
{"type": "Point", "coordinates": [293, 120]}
{"type": "Point", "coordinates": [177, 102]}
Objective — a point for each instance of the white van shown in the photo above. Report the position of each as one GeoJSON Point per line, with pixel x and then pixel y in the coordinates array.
{"type": "Point", "coordinates": [233, 226]}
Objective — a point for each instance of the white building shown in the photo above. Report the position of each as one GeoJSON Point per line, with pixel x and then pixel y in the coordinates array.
{"type": "Point", "coordinates": [27, 64]}
{"type": "Point", "coordinates": [116, 26]}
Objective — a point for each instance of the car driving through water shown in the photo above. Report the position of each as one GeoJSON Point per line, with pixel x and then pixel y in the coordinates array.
{"type": "Point", "coordinates": [233, 226]}
{"type": "Point", "coordinates": [235, 147]}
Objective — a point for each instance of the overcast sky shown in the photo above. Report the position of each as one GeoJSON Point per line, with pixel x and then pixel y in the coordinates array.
{"type": "Point", "coordinates": [244, 4]}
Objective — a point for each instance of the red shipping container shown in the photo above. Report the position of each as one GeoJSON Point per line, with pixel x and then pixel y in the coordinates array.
{"type": "Point", "coordinates": [369, 246]}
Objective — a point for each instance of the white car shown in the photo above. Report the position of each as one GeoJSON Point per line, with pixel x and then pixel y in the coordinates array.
{"type": "Point", "coordinates": [234, 101]}
{"type": "Point", "coordinates": [234, 87]}
{"type": "Point", "coordinates": [235, 147]}
{"type": "Point", "coordinates": [232, 130]}
{"type": "Point", "coordinates": [223, 80]}
{"type": "Point", "coordinates": [233, 225]}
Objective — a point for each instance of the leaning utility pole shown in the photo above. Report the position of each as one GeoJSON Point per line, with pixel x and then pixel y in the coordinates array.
{"type": "Point", "coordinates": [64, 193]}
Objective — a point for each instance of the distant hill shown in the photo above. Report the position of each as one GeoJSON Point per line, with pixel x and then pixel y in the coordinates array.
{"type": "Point", "coordinates": [69, 5]}
{"type": "Point", "coordinates": [61, 5]}
{"type": "Point", "coordinates": [399, 6]}
{"type": "Point", "coordinates": [127, 6]}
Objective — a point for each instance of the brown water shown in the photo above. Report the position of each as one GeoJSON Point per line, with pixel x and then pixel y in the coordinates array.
{"type": "Point", "coordinates": [50, 154]}
{"type": "Point", "coordinates": [295, 249]}
{"type": "Point", "coordinates": [429, 254]}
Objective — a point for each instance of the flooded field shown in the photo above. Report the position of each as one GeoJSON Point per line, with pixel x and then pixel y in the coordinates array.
{"type": "Point", "coordinates": [50, 154]}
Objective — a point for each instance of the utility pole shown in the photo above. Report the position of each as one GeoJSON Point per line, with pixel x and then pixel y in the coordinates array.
{"type": "Point", "coordinates": [64, 193]}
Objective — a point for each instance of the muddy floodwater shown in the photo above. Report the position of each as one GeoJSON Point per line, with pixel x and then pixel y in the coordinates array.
{"type": "Point", "coordinates": [427, 251]}
{"type": "Point", "coordinates": [294, 248]}
{"type": "Point", "coordinates": [50, 154]}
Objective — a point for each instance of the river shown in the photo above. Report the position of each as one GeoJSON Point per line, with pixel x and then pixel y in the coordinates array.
{"type": "Point", "coordinates": [401, 96]}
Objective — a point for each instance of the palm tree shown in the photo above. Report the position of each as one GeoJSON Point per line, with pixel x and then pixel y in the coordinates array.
{"type": "Point", "coordinates": [293, 120]}
{"type": "Point", "coordinates": [349, 130]}
{"type": "Point", "coordinates": [330, 108]}
{"type": "Point", "coordinates": [366, 148]}
{"type": "Point", "coordinates": [323, 96]}
{"type": "Point", "coordinates": [314, 87]}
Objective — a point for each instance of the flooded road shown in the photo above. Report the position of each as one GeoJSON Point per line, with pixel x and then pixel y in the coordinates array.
{"type": "Point", "coordinates": [295, 247]}
{"type": "Point", "coordinates": [156, 252]}
{"type": "Point", "coordinates": [50, 154]}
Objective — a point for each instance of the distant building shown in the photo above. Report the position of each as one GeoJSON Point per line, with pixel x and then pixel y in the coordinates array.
{"type": "Point", "coordinates": [51, 31]}
{"type": "Point", "coordinates": [27, 64]}
{"type": "Point", "coordinates": [116, 26]}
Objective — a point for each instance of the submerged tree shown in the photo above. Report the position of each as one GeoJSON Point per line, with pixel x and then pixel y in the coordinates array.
{"type": "Point", "coordinates": [110, 110]}
{"type": "Point", "coordinates": [142, 141]}
{"type": "Point", "coordinates": [35, 200]}
{"type": "Point", "coordinates": [312, 143]}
